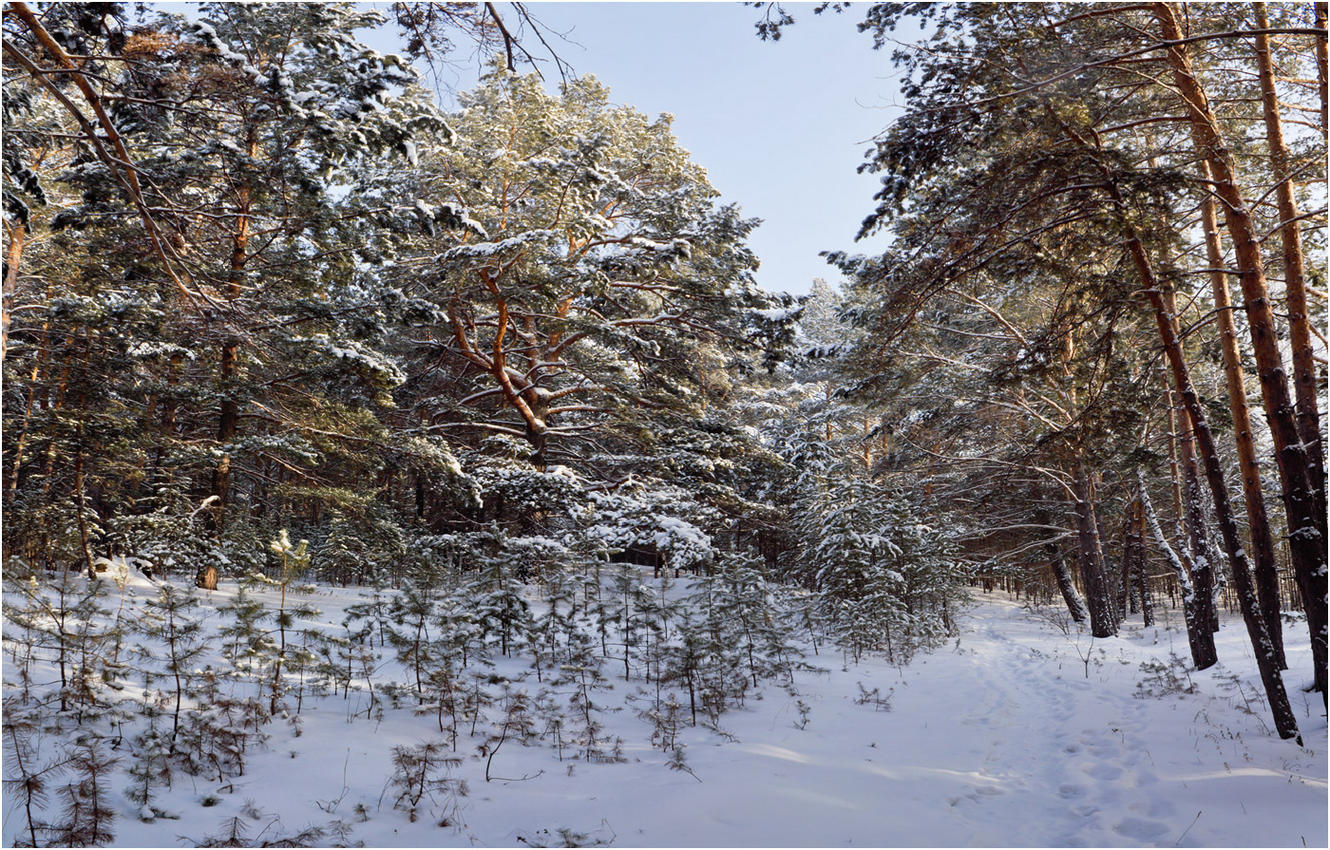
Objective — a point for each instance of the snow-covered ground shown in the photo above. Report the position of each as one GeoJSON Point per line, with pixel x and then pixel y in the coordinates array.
{"type": "Point", "coordinates": [1006, 737]}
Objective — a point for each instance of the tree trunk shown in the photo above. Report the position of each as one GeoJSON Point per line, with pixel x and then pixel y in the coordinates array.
{"type": "Point", "coordinates": [1199, 637]}
{"type": "Point", "coordinates": [1130, 547]}
{"type": "Point", "coordinates": [229, 359]}
{"type": "Point", "coordinates": [1304, 503]}
{"type": "Point", "coordinates": [1140, 576]}
{"type": "Point", "coordinates": [1318, 12]}
{"type": "Point", "coordinates": [1101, 558]}
{"type": "Point", "coordinates": [43, 354]}
{"type": "Point", "coordinates": [13, 253]}
{"type": "Point", "coordinates": [1174, 462]}
{"type": "Point", "coordinates": [228, 375]}
{"type": "Point", "coordinates": [1295, 280]}
{"type": "Point", "coordinates": [1198, 546]}
{"type": "Point", "coordinates": [538, 437]}
{"type": "Point", "coordinates": [80, 505]}
{"type": "Point", "coordinates": [1266, 660]}
{"type": "Point", "coordinates": [164, 427]}
{"type": "Point", "coordinates": [1090, 559]}
{"type": "Point", "coordinates": [1075, 605]}
{"type": "Point", "coordinates": [1265, 563]}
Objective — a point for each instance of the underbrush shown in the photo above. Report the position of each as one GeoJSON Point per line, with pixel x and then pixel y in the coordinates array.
{"type": "Point", "coordinates": [123, 689]}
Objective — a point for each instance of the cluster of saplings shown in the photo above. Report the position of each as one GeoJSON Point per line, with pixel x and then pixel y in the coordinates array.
{"type": "Point", "coordinates": [495, 646]}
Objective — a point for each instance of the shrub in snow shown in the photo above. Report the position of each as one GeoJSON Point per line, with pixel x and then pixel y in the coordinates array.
{"type": "Point", "coordinates": [87, 812]}
{"type": "Point", "coordinates": [421, 781]}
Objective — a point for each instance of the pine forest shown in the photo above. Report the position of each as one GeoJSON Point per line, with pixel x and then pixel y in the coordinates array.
{"type": "Point", "coordinates": [394, 464]}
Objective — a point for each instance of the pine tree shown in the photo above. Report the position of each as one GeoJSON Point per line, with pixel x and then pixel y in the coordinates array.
{"type": "Point", "coordinates": [169, 620]}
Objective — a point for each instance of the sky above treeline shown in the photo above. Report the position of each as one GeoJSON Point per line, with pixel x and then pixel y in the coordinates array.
{"type": "Point", "coordinates": [780, 126]}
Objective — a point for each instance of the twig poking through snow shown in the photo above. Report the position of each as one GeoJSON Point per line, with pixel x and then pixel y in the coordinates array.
{"type": "Point", "coordinates": [1187, 830]}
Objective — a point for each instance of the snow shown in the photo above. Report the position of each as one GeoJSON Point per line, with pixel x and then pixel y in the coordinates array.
{"type": "Point", "coordinates": [1007, 737]}
{"type": "Point", "coordinates": [503, 246]}
{"type": "Point", "coordinates": [779, 314]}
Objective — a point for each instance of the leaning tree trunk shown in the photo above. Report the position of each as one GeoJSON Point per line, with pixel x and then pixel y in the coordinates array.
{"type": "Point", "coordinates": [1303, 502]}
{"type": "Point", "coordinates": [1174, 462]}
{"type": "Point", "coordinates": [1075, 605]}
{"type": "Point", "coordinates": [1102, 622]}
{"type": "Point", "coordinates": [1265, 563]}
{"type": "Point", "coordinates": [1266, 660]}
{"type": "Point", "coordinates": [1199, 637]}
{"type": "Point", "coordinates": [1197, 555]}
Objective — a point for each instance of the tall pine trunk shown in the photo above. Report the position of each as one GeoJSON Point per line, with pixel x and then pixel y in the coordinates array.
{"type": "Point", "coordinates": [1101, 556]}
{"type": "Point", "coordinates": [13, 254]}
{"type": "Point", "coordinates": [34, 377]}
{"type": "Point", "coordinates": [1174, 461]}
{"type": "Point", "coordinates": [1318, 14]}
{"type": "Point", "coordinates": [1130, 549]}
{"type": "Point", "coordinates": [1304, 504]}
{"type": "Point", "coordinates": [80, 505]}
{"type": "Point", "coordinates": [228, 376]}
{"type": "Point", "coordinates": [1295, 280]}
{"type": "Point", "coordinates": [1265, 563]}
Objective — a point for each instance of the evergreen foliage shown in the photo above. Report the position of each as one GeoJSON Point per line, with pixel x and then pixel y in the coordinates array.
{"type": "Point", "coordinates": [505, 369]}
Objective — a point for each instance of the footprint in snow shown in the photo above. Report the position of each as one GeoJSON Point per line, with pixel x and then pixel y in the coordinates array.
{"type": "Point", "coordinates": [1145, 777]}
{"type": "Point", "coordinates": [1141, 829]}
{"type": "Point", "coordinates": [1155, 808]}
{"type": "Point", "coordinates": [1104, 771]}
{"type": "Point", "coordinates": [1070, 792]}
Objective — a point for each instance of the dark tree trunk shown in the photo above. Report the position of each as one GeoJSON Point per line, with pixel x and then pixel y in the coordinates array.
{"type": "Point", "coordinates": [1131, 546]}
{"type": "Point", "coordinates": [1075, 605]}
{"type": "Point", "coordinates": [80, 505]}
{"type": "Point", "coordinates": [1101, 557]}
{"type": "Point", "coordinates": [228, 370]}
{"type": "Point", "coordinates": [1090, 559]}
{"type": "Point", "coordinates": [1266, 661]}
{"type": "Point", "coordinates": [1199, 637]}
{"type": "Point", "coordinates": [1141, 564]}
{"type": "Point", "coordinates": [1198, 544]}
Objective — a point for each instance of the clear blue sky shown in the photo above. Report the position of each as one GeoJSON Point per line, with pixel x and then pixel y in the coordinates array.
{"type": "Point", "coordinates": [779, 126]}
